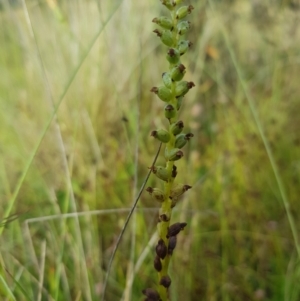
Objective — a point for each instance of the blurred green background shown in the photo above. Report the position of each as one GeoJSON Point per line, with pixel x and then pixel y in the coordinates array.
{"type": "Point", "coordinates": [75, 118]}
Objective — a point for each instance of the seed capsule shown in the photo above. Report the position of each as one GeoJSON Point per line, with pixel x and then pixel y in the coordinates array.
{"type": "Point", "coordinates": [173, 56]}
{"type": "Point", "coordinates": [179, 190]}
{"type": "Point", "coordinates": [182, 139]}
{"type": "Point", "coordinates": [156, 193]}
{"type": "Point", "coordinates": [167, 80]}
{"type": "Point", "coordinates": [166, 36]}
{"type": "Point", "coordinates": [161, 249]}
{"type": "Point", "coordinates": [176, 128]}
{"type": "Point", "coordinates": [172, 244]}
{"type": "Point", "coordinates": [174, 154]}
{"type": "Point", "coordinates": [183, 87]}
{"type": "Point", "coordinates": [170, 112]}
{"type": "Point", "coordinates": [161, 135]}
{"type": "Point", "coordinates": [169, 4]}
{"type": "Point", "coordinates": [183, 27]}
{"type": "Point", "coordinates": [183, 46]}
{"type": "Point", "coordinates": [161, 172]}
{"type": "Point", "coordinates": [157, 264]}
{"type": "Point", "coordinates": [175, 229]}
{"type": "Point", "coordinates": [178, 72]}
{"type": "Point", "coordinates": [163, 93]}
{"type": "Point", "coordinates": [183, 11]}
{"type": "Point", "coordinates": [165, 281]}
{"type": "Point", "coordinates": [164, 22]}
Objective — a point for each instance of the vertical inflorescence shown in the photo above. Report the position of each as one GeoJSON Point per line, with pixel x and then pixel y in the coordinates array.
{"type": "Point", "coordinates": [171, 32]}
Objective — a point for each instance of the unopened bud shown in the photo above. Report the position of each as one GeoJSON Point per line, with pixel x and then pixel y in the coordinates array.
{"type": "Point", "coordinates": [176, 128]}
{"type": "Point", "coordinates": [179, 190]}
{"type": "Point", "coordinates": [183, 87]}
{"type": "Point", "coordinates": [183, 11]}
{"type": "Point", "coordinates": [170, 4]}
{"type": "Point", "coordinates": [166, 36]}
{"type": "Point", "coordinates": [161, 172]}
{"type": "Point", "coordinates": [170, 112]}
{"type": "Point", "coordinates": [174, 154]}
{"type": "Point", "coordinates": [161, 135]}
{"type": "Point", "coordinates": [163, 93]}
{"type": "Point", "coordinates": [173, 56]}
{"type": "Point", "coordinates": [167, 79]}
{"type": "Point", "coordinates": [172, 244]}
{"type": "Point", "coordinates": [165, 281]}
{"type": "Point", "coordinates": [175, 229]}
{"type": "Point", "coordinates": [178, 72]}
{"type": "Point", "coordinates": [183, 27]}
{"type": "Point", "coordinates": [156, 193]}
{"type": "Point", "coordinates": [182, 139]}
{"type": "Point", "coordinates": [164, 22]}
{"type": "Point", "coordinates": [183, 46]}
{"type": "Point", "coordinates": [161, 249]}
{"type": "Point", "coordinates": [157, 264]}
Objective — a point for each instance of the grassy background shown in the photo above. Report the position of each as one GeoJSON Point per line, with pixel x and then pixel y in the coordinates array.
{"type": "Point", "coordinates": [75, 118]}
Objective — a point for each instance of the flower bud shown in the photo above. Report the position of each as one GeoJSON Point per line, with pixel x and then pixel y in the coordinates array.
{"type": "Point", "coordinates": [173, 56]}
{"type": "Point", "coordinates": [176, 128]}
{"type": "Point", "coordinates": [175, 229]}
{"type": "Point", "coordinates": [166, 36]}
{"type": "Point", "coordinates": [174, 154]}
{"type": "Point", "coordinates": [163, 93]}
{"type": "Point", "coordinates": [167, 79]}
{"type": "Point", "coordinates": [164, 22]}
{"type": "Point", "coordinates": [151, 294]}
{"type": "Point", "coordinates": [165, 281]}
{"type": "Point", "coordinates": [156, 193]}
{"type": "Point", "coordinates": [183, 46]}
{"type": "Point", "coordinates": [161, 172]}
{"type": "Point", "coordinates": [183, 87]}
{"type": "Point", "coordinates": [157, 264]}
{"type": "Point", "coordinates": [183, 27]}
{"type": "Point", "coordinates": [170, 112]}
{"type": "Point", "coordinates": [179, 190]}
{"type": "Point", "coordinates": [169, 4]}
{"type": "Point", "coordinates": [182, 139]}
{"type": "Point", "coordinates": [178, 72]}
{"type": "Point", "coordinates": [161, 249]}
{"type": "Point", "coordinates": [161, 135]}
{"type": "Point", "coordinates": [183, 11]}
{"type": "Point", "coordinates": [172, 244]}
